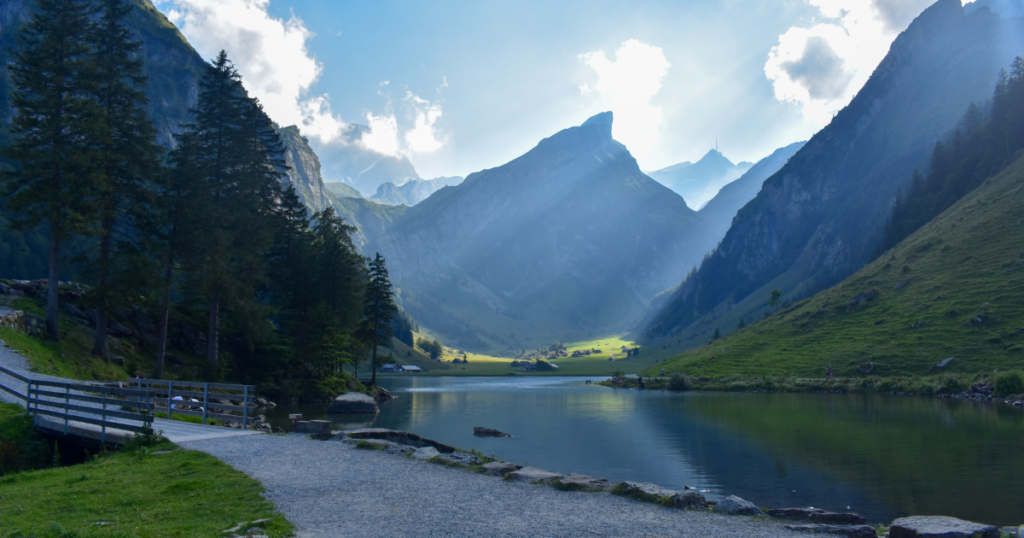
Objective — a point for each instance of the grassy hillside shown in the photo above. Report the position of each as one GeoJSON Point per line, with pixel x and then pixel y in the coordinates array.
{"type": "Point", "coordinates": [955, 288]}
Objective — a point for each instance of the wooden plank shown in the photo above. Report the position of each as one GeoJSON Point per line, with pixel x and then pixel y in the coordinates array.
{"type": "Point", "coordinates": [90, 420]}
{"type": "Point", "coordinates": [91, 410]}
{"type": "Point", "coordinates": [94, 388]}
{"type": "Point", "coordinates": [16, 375]}
{"type": "Point", "coordinates": [93, 399]}
{"type": "Point", "coordinates": [14, 392]}
{"type": "Point", "coordinates": [192, 384]}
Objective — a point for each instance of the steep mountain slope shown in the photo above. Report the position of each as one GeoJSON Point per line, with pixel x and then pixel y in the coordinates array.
{"type": "Point", "coordinates": [347, 160]}
{"type": "Point", "coordinates": [699, 182]}
{"type": "Point", "coordinates": [952, 289]}
{"type": "Point", "coordinates": [369, 218]}
{"type": "Point", "coordinates": [566, 242]}
{"type": "Point", "coordinates": [817, 220]}
{"type": "Point", "coordinates": [343, 190]}
{"type": "Point", "coordinates": [413, 191]}
{"type": "Point", "coordinates": [304, 169]}
{"type": "Point", "coordinates": [721, 209]}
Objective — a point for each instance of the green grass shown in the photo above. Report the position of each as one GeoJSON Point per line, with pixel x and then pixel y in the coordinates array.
{"type": "Point", "coordinates": [22, 448]}
{"type": "Point", "coordinates": [965, 265]}
{"type": "Point", "coordinates": [135, 493]}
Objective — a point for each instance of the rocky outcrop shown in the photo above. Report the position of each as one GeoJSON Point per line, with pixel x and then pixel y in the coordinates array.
{"type": "Point", "coordinates": [858, 531]}
{"type": "Point", "coordinates": [395, 436]}
{"type": "Point", "coordinates": [689, 500]}
{"type": "Point", "coordinates": [313, 427]}
{"type": "Point", "coordinates": [500, 468]}
{"type": "Point", "coordinates": [533, 474]}
{"type": "Point", "coordinates": [426, 453]}
{"type": "Point", "coordinates": [303, 169]}
{"type": "Point", "coordinates": [488, 432]}
{"type": "Point", "coordinates": [585, 482]}
{"type": "Point", "coordinates": [939, 527]}
{"type": "Point", "coordinates": [736, 506]}
{"type": "Point", "coordinates": [353, 402]}
{"type": "Point", "coordinates": [647, 492]}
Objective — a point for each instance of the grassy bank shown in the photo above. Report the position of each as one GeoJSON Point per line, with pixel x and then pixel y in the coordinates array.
{"type": "Point", "coordinates": [144, 491]}
{"type": "Point", "coordinates": [952, 289]}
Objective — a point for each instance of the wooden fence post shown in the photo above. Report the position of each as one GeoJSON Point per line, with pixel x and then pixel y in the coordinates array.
{"type": "Point", "coordinates": [245, 407]}
{"type": "Point", "coordinates": [206, 400]}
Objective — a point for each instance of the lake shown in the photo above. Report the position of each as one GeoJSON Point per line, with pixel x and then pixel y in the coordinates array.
{"type": "Point", "coordinates": [881, 456]}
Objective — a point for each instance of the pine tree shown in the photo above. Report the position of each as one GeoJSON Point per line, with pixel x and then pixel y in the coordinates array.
{"type": "Point", "coordinates": [378, 311]}
{"type": "Point", "coordinates": [54, 119]}
{"type": "Point", "coordinates": [125, 150]}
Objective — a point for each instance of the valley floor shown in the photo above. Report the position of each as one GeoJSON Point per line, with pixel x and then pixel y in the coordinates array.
{"type": "Point", "coordinates": [332, 489]}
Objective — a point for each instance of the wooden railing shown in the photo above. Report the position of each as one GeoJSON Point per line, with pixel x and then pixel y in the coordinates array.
{"type": "Point", "coordinates": [206, 404]}
{"type": "Point", "coordinates": [119, 408]}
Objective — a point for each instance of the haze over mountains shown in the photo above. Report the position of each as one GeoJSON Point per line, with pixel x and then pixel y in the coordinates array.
{"type": "Point", "coordinates": [817, 220]}
{"type": "Point", "coordinates": [699, 182]}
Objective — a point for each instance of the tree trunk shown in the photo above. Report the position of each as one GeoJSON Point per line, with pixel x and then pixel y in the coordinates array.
{"type": "Point", "coordinates": [212, 345]}
{"type": "Point", "coordinates": [100, 346]}
{"type": "Point", "coordinates": [52, 292]}
{"type": "Point", "coordinates": [165, 312]}
{"type": "Point", "coordinates": [373, 358]}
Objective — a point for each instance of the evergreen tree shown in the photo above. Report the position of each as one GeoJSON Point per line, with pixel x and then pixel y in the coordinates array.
{"type": "Point", "coordinates": [378, 311]}
{"type": "Point", "coordinates": [126, 155]}
{"type": "Point", "coordinates": [54, 119]}
{"type": "Point", "coordinates": [774, 301]}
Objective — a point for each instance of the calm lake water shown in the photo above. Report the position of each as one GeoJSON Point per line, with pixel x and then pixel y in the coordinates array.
{"type": "Point", "coordinates": [881, 456]}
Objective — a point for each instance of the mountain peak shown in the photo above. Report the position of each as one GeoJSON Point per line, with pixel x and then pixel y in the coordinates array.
{"type": "Point", "coordinates": [602, 121]}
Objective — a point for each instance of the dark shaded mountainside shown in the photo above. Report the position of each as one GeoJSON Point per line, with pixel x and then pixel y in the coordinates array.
{"type": "Point", "coordinates": [951, 289]}
{"type": "Point", "coordinates": [568, 241]}
{"type": "Point", "coordinates": [817, 220]}
{"type": "Point", "coordinates": [698, 182]}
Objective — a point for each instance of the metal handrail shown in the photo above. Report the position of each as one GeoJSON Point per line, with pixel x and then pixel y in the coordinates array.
{"type": "Point", "coordinates": [174, 406]}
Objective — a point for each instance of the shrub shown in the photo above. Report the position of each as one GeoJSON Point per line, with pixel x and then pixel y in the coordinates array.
{"type": "Point", "coordinates": [1009, 383]}
{"type": "Point", "coordinates": [22, 448]}
{"type": "Point", "coordinates": [679, 382]}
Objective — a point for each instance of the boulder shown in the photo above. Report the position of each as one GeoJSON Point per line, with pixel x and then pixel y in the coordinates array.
{"type": "Point", "coordinates": [533, 474]}
{"type": "Point", "coordinates": [463, 458]}
{"type": "Point", "coordinates": [313, 427]}
{"type": "Point", "coordinates": [5, 289]}
{"type": "Point", "coordinates": [500, 468]}
{"type": "Point", "coordinates": [647, 492]}
{"type": "Point", "coordinates": [689, 499]}
{"type": "Point", "coordinates": [426, 453]}
{"type": "Point", "coordinates": [488, 432]}
{"type": "Point", "coordinates": [382, 394]}
{"type": "Point", "coordinates": [1010, 531]}
{"type": "Point", "coordinates": [736, 506]}
{"type": "Point", "coordinates": [939, 527]}
{"type": "Point", "coordinates": [585, 482]}
{"type": "Point", "coordinates": [858, 531]}
{"type": "Point", "coordinates": [395, 436]}
{"type": "Point", "coordinates": [354, 402]}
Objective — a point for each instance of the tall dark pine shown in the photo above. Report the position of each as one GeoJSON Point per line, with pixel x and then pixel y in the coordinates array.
{"type": "Point", "coordinates": [53, 119]}
{"type": "Point", "coordinates": [378, 311]}
{"type": "Point", "coordinates": [125, 149]}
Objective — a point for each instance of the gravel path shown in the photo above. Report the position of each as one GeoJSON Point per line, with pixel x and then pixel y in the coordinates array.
{"type": "Point", "coordinates": [331, 489]}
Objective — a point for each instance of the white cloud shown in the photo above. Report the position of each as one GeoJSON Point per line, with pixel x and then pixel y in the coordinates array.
{"type": "Point", "coordinates": [626, 86]}
{"type": "Point", "coordinates": [278, 68]}
{"type": "Point", "coordinates": [822, 67]}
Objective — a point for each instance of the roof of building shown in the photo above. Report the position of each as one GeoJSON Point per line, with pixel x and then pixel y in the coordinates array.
{"type": "Point", "coordinates": [410, 368]}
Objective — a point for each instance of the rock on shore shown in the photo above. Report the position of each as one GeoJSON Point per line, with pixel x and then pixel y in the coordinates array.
{"type": "Point", "coordinates": [533, 474]}
{"type": "Point", "coordinates": [939, 527]}
{"type": "Point", "coordinates": [737, 506]}
{"type": "Point", "coordinates": [354, 402]}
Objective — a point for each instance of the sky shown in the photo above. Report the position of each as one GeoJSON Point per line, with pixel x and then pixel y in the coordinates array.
{"type": "Point", "coordinates": [458, 87]}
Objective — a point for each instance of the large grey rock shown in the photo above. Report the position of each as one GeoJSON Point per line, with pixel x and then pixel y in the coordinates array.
{"type": "Point", "coordinates": [648, 492]}
{"type": "Point", "coordinates": [426, 453]}
{"type": "Point", "coordinates": [354, 402]}
{"type": "Point", "coordinates": [585, 482]}
{"type": "Point", "coordinates": [463, 458]}
{"type": "Point", "coordinates": [500, 468]}
{"type": "Point", "coordinates": [395, 436]}
{"type": "Point", "coordinates": [857, 531]}
{"type": "Point", "coordinates": [736, 506]}
{"type": "Point", "coordinates": [689, 499]}
{"type": "Point", "coordinates": [313, 427]}
{"type": "Point", "coordinates": [533, 474]}
{"type": "Point", "coordinates": [939, 527]}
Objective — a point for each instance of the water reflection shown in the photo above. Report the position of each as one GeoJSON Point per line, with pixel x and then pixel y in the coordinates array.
{"type": "Point", "coordinates": [882, 456]}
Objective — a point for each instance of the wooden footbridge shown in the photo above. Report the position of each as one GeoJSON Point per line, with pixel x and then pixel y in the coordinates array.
{"type": "Point", "coordinates": [114, 412]}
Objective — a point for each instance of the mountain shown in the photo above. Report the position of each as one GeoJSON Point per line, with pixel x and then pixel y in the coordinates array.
{"type": "Point", "coordinates": [951, 289]}
{"type": "Point", "coordinates": [413, 191]}
{"type": "Point", "coordinates": [304, 169]}
{"type": "Point", "coordinates": [370, 218]}
{"type": "Point", "coordinates": [698, 182]}
{"type": "Point", "coordinates": [818, 219]}
{"type": "Point", "coordinates": [721, 209]}
{"type": "Point", "coordinates": [343, 190]}
{"type": "Point", "coordinates": [566, 242]}
{"type": "Point", "coordinates": [347, 160]}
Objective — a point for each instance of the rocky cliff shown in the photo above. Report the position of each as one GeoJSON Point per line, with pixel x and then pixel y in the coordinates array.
{"type": "Point", "coordinates": [304, 169]}
{"type": "Point", "coordinates": [569, 241]}
{"type": "Point", "coordinates": [818, 219]}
